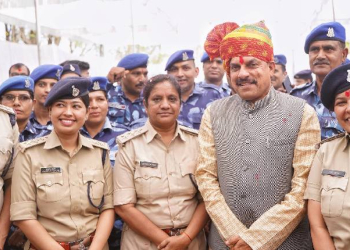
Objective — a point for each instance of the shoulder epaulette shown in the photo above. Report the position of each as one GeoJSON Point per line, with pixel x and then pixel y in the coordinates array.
{"type": "Point", "coordinates": [189, 130]}
{"type": "Point", "coordinates": [123, 138]}
{"type": "Point", "coordinates": [306, 85]}
{"type": "Point", "coordinates": [99, 144]}
{"type": "Point", "coordinates": [7, 110]}
{"type": "Point", "coordinates": [30, 143]}
{"type": "Point", "coordinates": [318, 145]}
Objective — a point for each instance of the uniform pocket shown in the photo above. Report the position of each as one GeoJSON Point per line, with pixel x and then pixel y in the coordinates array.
{"type": "Point", "coordinates": [332, 195]}
{"type": "Point", "coordinates": [49, 187]}
{"type": "Point", "coordinates": [147, 181]}
{"type": "Point", "coordinates": [188, 181]}
{"type": "Point", "coordinates": [97, 181]}
{"type": "Point", "coordinates": [5, 152]}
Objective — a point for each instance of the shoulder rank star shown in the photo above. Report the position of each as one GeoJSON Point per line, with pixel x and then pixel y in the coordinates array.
{"type": "Point", "coordinates": [330, 32]}
{"type": "Point", "coordinates": [96, 86]}
{"type": "Point", "coordinates": [58, 73]}
{"type": "Point", "coordinates": [348, 78]}
{"type": "Point", "coordinates": [71, 67]}
{"type": "Point", "coordinates": [75, 91]}
{"type": "Point", "coordinates": [184, 56]}
{"type": "Point", "coordinates": [27, 83]}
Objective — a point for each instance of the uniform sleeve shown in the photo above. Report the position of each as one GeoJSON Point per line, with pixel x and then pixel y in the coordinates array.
{"type": "Point", "coordinates": [275, 225]}
{"type": "Point", "coordinates": [108, 187]}
{"type": "Point", "coordinates": [207, 178]}
{"type": "Point", "coordinates": [314, 181]}
{"type": "Point", "coordinates": [15, 137]}
{"type": "Point", "coordinates": [23, 190]}
{"type": "Point", "coordinates": [123, 176]}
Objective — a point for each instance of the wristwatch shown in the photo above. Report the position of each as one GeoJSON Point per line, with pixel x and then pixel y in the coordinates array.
{"type": "Point", "coordinates": [82, 246]}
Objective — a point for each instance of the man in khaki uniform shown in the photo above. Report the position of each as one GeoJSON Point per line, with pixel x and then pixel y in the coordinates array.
{"type": "Point", "coordinates": [8, 140]}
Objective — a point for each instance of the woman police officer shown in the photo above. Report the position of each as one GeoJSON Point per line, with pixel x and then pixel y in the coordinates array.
{"type": "Point", "coordinates": [62, 183]}
{"type": "Point", "coordinates": [154, 187]}
{"type": "Point", "coordinates": [328, 189]}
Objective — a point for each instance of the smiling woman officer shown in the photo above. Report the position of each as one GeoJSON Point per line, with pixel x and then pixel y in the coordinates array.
{"type": "Point", "coordinates": [154, 188]}
{"type": "Point", "coordinates": [62, 183]}
{"type": "Point", "coordinates": [328, 189]}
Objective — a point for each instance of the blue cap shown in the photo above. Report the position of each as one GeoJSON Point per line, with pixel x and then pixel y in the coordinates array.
{"type": "Point", "coordinates": [325, 31]}
{"type": "Point", "coordinates": [303, 74]}
{"type": "Point", "coordinates": [205, 57]}
{"type": "Point", "coordinates": [280, 59]}
{"type": "Point", "coordinates": [46, 71]}
{"type": "Point", "coordinates": [98, 83]}
{"type": "Point", "coordinates": [337, 81]}
{"type": "Point", "coordinates": [179, 56]}
{"type": "Point", "coordinates": [71, 68]}
{"type": "Point", "coordinates": [68, 88]}
{"type": "Point", "coordinates": [132, 61]}
{"type": "Point", "coordinates": [346, 61]}
{"type": "Point", "coordinates": [17, 83]}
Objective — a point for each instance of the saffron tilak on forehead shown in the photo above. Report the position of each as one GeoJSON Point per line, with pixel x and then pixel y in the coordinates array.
{"type": "Point", "coordinates": [241, 61]}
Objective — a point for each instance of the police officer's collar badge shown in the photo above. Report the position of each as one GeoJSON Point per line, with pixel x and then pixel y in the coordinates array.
{"type": "Point", "coordinates": [58, 73]}
{"type": "Point", "coordinates": [26, 83]}
{"type": "Point", "coordinates": [75, 91]}
{"type": "Point", "coordinates": [71, 67]}
{"type": "Point", "coordinates": [184, 56]}
{"type": "Point", "coordinates": [96, 86]}
{"type": "Point", "coordinates": [348, 78]}
{"type": "Point", "coordinates": [330, 32]}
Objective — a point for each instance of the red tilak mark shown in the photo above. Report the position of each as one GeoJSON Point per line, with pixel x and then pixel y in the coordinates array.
{"type": "Point", "coordinates": [241, 61]}
{"type": "Point", "coordinates": [347, 93]}
{"type": "Point", "coordinates": [19, 69]}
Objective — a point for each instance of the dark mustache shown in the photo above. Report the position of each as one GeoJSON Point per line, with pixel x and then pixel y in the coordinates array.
{"type": "Point", "coordinates": [240, 81]}
{"type": "Point", "coordinates": [321, 61]}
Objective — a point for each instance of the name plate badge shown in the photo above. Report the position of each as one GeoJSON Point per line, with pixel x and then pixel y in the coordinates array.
{"type": "Point", "coordinates": [51, 170]}
{"type": "Point", "coordinates": [335, 173]}
{"type": "Point", "coordinates": [147, 164]}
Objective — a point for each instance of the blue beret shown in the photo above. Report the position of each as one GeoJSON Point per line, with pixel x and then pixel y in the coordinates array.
{"type": "Point", "coordinates": [68, 88]}
{"type": "Point", "coordinates": [17, 83]}
{"type": "Point", "coordinates": [280, 59]}
{"type": "Point", "coordinates": [336, 82]}
{"type": "Point", "coordinates": [71, 68]}
{"type": "Point", "coordinates": [98, 83]}
{"type": "Point", "coordinates": [133, 61]}
{"type": "Point", "coordinates": [46, 71]}
{"type": "Point", "coordinates": [303, 74]}
{"type": "Point", "coordinates": [178, 56]}
{"type": "Point", "coordinates": [325, 31]}
{"type": "Point", "coordinates": [205, 57]}
{"type": "Point", "coordinates": [346, 61]}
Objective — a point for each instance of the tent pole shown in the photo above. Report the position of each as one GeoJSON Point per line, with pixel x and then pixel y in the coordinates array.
{"type": "Point", "coordinates": [36, 4]}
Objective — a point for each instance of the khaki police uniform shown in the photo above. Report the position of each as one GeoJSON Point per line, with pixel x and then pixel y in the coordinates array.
{"type": "Point", "coordinates": [8, 140]}
{"type": "Point", "coordinates": [50, 185]}
{"type": "Point", "coordinates": [157, 180]}
{"type": "Point", "coordinates": [328, 183]}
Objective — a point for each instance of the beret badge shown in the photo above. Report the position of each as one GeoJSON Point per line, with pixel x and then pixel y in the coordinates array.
{"type": "Point", "coordinates": [58, 73]}
{"type": "Point", "coordinates": [348, 77]}
{"type": "Point", "coordinates": [71, 67]}
{"type": "Point", "coordinates": [330, 32]}
{"type": "Point", "coordinates": [75, 91]}
{"type": "Point", "coordinates": [96, 86]}
{"type": "Point", "coordinates": [26, 83]}
{"type": "Point", "coordinates": [184, 56]}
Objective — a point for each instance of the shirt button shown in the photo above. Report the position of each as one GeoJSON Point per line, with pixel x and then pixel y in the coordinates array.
{"type": "Point", "coordinates": [247, 141]}
{"type": "Point", "coordinates": [49, 183]}
{"type": "Point", "coordinates": [250, 116]}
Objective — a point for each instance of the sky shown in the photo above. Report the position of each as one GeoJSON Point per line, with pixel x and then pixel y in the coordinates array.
{"type": "Point", "coordinates": [180, 24]}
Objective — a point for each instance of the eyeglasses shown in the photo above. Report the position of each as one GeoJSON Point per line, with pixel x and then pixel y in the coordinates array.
{"type": "Point", "coordinates": [8, 98]}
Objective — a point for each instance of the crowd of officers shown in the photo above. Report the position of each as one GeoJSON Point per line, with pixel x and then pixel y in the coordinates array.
{"type": "Point", "coordinates": [59, 105]}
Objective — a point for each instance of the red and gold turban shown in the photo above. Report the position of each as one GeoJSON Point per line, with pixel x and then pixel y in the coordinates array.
{"type": "Point", "coordinates": [247, 40]}
{"type": "Point", "coordinates": [215, 36]}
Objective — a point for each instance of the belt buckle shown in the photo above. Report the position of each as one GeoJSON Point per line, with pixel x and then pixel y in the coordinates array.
{"type": "Point", "coordinates": [174, 232]}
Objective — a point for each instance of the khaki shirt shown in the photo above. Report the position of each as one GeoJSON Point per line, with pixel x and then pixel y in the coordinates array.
{"type": "Point", "coordinates": [332, 191]}
{"type": "Point", "coordinates": [156, 179]}
{"type": "Point", "coordinates": [50, 186]}
{"type": "Point", "coordinates": [8, 141]}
